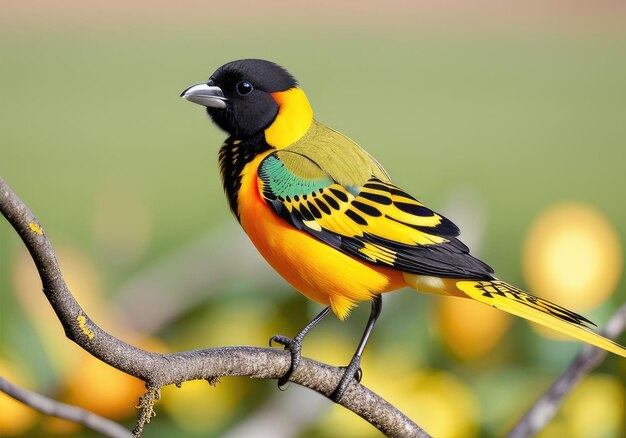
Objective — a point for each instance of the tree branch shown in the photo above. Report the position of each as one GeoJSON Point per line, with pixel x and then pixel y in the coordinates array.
{"type": "Point", "coordinates": [55, 408]}
{"type": "Point", "coordinates": [546, 407]}
{"type": "Point", "coordinates": [159, 370]}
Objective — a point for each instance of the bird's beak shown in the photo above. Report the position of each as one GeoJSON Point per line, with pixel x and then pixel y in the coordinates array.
{"type": "Point", "coordinates": [206, 95]}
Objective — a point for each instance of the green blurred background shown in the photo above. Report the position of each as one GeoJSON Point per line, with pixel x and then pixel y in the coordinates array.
{"type": "Point", "coordinates": [510, 118]}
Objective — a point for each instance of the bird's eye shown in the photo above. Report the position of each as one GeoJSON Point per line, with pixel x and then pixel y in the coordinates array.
{"type": "Point", "coordinates": [244, 87]}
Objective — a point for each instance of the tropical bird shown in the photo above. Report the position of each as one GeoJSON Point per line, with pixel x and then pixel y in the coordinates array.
{"type": "Point", "coordinates": [325, 215]}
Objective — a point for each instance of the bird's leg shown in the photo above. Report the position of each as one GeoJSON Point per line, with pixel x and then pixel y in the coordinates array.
{"type": "Point", "coordinates": [295, 345]}
{"type": "Point", "coordinates": [353, 370]}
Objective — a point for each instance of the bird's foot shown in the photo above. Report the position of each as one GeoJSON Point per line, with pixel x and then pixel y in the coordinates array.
{"type": "Point", "coordinates": [352, 371]}
{"type": "Point", "coordinates": [295, 348]}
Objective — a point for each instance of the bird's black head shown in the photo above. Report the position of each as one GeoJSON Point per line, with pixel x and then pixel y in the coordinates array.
{"type": "Point", "coordinates": [241, 96]}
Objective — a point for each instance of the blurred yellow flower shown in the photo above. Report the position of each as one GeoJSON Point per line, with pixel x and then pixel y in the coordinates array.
{"type": "Point", "coordinates": [572, 256]}
{"type": "Point", "coordinates": [98, 387]}
{"type": "Point", "coordinates": [470, 329]}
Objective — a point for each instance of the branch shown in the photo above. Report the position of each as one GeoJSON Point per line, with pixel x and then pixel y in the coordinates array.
{"type": "Point", "coordinates": [55, 408]}
{"type": "Point", "coordinates": [159, 370]}
{"type": "Point", "coordinates": [544, 409]}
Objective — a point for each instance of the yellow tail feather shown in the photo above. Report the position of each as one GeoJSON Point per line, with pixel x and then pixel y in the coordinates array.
{"type": "Point", "coordinates": [505, 297]}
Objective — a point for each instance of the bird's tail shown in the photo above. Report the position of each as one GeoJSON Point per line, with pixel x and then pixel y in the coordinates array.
{"type": "Point", "coordinates": [505, 297]}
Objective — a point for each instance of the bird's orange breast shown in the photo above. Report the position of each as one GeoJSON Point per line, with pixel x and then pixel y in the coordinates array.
{"type": "Point", "coordinates": [315, 269]}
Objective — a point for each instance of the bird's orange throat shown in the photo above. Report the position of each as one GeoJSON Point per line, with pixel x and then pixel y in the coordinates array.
{"type": "Point", "coordinates": [294, 118]}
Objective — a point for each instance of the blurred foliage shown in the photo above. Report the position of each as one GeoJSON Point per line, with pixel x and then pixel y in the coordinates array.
{"type": "Point", "coordinates": [525, 111]}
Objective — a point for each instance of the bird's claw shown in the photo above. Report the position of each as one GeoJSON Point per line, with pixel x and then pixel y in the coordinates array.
{"type": "Point", "coordinates": [281, 340]}
{"type": "Point", "coordinates": [358, 375]}
{"type": "Point", "coordinates": [295, 348]}
{"type": "Point", "coordinates": [352, 371]}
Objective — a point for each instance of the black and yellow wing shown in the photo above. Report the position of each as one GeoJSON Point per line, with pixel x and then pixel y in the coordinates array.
{"type": "Point", "coordinates": [376, 221]}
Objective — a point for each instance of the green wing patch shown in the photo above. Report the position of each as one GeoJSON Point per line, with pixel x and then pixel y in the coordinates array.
{"type": "Point", "coordinates": [286, 183]}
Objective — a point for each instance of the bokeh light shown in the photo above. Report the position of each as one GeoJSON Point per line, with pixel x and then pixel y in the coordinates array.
{"type": "Point", "coordinates": [470, 329]}
{"type": "Point", "coordinates": [100, 388]}
{"type": "Point", "coordinates": [572, 255]}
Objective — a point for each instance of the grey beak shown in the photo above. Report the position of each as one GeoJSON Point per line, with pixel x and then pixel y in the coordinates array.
{"type": "Point", "coordinates": [206, 95]}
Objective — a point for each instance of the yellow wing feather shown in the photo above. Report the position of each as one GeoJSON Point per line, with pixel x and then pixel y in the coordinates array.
{"type": "Point", "coordinates": [355, 216]}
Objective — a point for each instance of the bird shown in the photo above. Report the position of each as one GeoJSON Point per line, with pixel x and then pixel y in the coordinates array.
{"type": "Point", "coordinates": [325, 215]}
